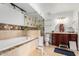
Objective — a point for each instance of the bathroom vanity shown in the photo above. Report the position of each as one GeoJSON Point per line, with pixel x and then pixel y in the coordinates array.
{"type": "Point", "coordinates": [63, 38]}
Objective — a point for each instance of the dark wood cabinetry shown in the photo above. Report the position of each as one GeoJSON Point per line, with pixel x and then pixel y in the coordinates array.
{"type": "Point", "coordinates": [73, 37]}
{"type": "Point", "coordinates": [63, 38]}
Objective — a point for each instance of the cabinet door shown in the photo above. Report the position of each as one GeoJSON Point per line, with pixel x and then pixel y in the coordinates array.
{"type": "Point", "coordinates": [73, 37]}
{"type": "Point", "coordinates": [66, 38]}
{"type": "Point", "coordinates": [61, 39]}
{"type": "Point", "coordinates": [56, 39]}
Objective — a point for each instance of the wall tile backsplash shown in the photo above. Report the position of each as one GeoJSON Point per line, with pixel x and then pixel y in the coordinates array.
{"type": "Point", "coordinates": [10, 27]}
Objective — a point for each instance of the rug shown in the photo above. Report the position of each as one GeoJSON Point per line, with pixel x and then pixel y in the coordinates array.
{"type": "Point", "coordinates": [64, 52]}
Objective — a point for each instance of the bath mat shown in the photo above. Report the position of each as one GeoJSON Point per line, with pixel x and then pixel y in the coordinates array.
{"type": "Point", "coordinates": [63, 51]}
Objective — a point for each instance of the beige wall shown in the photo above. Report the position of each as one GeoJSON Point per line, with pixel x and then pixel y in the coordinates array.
{"type": "Point", "coordinates": [6, 34]}
{"type": "Point", "coordinates": [33, 33]}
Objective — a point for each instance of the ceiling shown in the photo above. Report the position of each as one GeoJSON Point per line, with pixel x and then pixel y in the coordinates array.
{"type": "Point", "coordinates": [29, 9]}
{"type": "Point", "coordinates": [46, 10]}
{"type": "Point", "coordinates": [26, 7]}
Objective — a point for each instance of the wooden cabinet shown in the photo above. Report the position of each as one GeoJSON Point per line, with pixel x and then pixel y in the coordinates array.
{"type": "Point", "coordinates": [63, 38]}
{"type": "Point", "coordinates": [56, 40]}
{"type": "Point", "coordinates": [73, 37]}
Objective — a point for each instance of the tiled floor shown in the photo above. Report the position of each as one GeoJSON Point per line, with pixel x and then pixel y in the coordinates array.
{"type": "Point", "coordinates": [48, 51]}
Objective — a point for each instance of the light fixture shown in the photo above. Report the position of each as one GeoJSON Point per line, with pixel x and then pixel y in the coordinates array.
{"type": "Point", "coordinates": [22, 10]}
{"type": "Point", "coordinates": [62, 20]}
